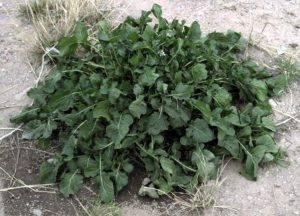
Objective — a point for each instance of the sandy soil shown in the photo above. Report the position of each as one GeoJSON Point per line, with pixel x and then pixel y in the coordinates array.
{"type": "Point", "coordinates": [276, 24]}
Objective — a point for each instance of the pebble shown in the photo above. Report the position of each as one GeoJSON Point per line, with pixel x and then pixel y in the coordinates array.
{"type": "Point", "coordinates": [293, 45]}
{"type": "Point", "coordinates": [296, 212]}
{"type": "Point", "coordinates": [297, 26]}
{"type": "Point", "coordinates": [1, 4]}
{"type": "Point", "coordinates": [37, 212]}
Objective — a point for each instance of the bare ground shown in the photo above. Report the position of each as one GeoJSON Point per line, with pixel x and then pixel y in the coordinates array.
{"type": "Point", "coordinates": [274, 24]}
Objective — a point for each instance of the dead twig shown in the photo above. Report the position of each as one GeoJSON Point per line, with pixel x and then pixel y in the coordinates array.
{"type": "Point", "coordinates": [288, 115]}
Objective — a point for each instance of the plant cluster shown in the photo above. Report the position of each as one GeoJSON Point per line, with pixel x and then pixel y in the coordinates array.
{"type": "Point", "coordinates": [156, 93]}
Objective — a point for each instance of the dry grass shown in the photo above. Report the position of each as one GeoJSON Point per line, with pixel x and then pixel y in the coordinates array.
{"type": "Point", "coordinates": [53, 19]}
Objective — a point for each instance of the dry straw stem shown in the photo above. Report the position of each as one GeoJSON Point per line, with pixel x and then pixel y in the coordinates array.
{"type": "Point", "coordinates": [204, 197]}
{"type": "Point", "coordinates": [39, 188]}
{"type": "Point", "coordinates": [54, 19]}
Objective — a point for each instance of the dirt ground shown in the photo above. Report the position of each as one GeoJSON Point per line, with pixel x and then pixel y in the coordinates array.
{"type": "Point", "coordinates": [274, 24]}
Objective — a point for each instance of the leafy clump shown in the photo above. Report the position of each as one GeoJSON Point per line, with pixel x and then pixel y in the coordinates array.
{"type": "Point", "coordinates": [158, 93]}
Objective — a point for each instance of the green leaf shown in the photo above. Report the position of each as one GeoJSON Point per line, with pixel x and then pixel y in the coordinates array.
{"type": "Point", "coordinates": [70, 183]}
{"type": "Point", "coordinates": [102, 110]}
{"type": "Point", "coordinates": [67, 46]}
{"type": "Point", "coordinates": [167, 164]}
{"type": "Point", "coordinates": [49, 170]}
{"type": "Point", "coordinates": [267, 141]}
{"type": "Point", "coordinates": [222, 97]}
{"type": "Point", "coordinates": [69, 147]}
{"type": "Point", "coordinates": [148, 77]}
{"type": "Point", "coordinates": [117, 130]}
{"type": "Point", "coordinates": [156, 123]}
{"type": "Point", "coordinates": [231, 144]}
{"type": "Point", "coordinates": [254, 157]}
{"type": "Point", "coordinates": [268, 123]}
{"type": "Point", "coordinates": [127, 167]}
{"type": "Point", "coordinates": [199, 131]}
{"type": "Point", "coordinates": [194, 32]}
{"type": "Point", "coordinates": [260, 89]}
{"type": "Point", "coordinates": [205, 162]}
{"type": "Point", "coordinates": [182, 92]}
{"type": "Point", "coordinates": [179, 114]}
{"type": "Point", "coordinates": [199, 72]}
{"type": "Point", "coordinates": [102, 33]}
{"type": "Point", "coordinates": [138, 107]}
{"type": "Point", "coordinates": [89, 166]}
{"type": "Point", "coordinates": [28, 114]}
{"type": "Point", "coordinates": [203, 108]}
{"type": "Point", "coordinates": [156, 10]}
{"type": "Point", "coordinates": [278, 83]}
{"type": "Point", "coordinates": [36, 129]}
{"type": "Point", "coordinates": [81, 33]}
{"type": "Point", "coordinates": [107, 193]}
{"type": "Point", "coordinates": [121, 180]}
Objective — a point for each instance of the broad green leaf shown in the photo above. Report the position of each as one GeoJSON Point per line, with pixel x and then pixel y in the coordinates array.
{"type": "Point", "coordinates": [49, 170]}
{"type": "Point", "coordinates": [231, 144]}
{"type": "Point", "coordinates": [267, 141]}
{"type": "Point", "coordinates": [260, 89]}
{"type": "Point", "coordinates": [38, 95]}
{"type": "Point", "coordinates": [278, 83]}
{"type": "Point", "coordinates": [156, 10]}
{"type": "Point", "coordinates": [199, 72]}
{"type": "Point", "coordinates": [102, 110]}
{"type": "Point", "coordinates": [81, 33]}
{"type": "Point", "coordinates": [199, 131]}
{"type": "Point", "coordinates": [27, 114]}
{"type": "Point", "coordinates": [167, 164]}
{"type": "Point", "coordinates": [179, 114]}
{"type": "Point", "coordinates": [182, 92]}
{"type": "Point", "coordinates": [148, 77]}
{"type": "Point", "coordinates": [148, 34]}
{"type": "Point", "coordinates": [69, 148]}
{"type": "Point", "coordinates": [117, 130]}
{"type": "Point", "coordinates": [70, 183]}
{"type": "Point", "coordinates": [194, 33]}
{"type": "Point", "coordinates": [67, 46]}
{"type": "Point", "coordinates": [222, 97]}
{"type": "Point", "coordinates": [106, 187]}
{"type": "Point", "coordinates": [127, 167]}
{"type": "Point", "coordinates": [37, 129]}
{"type": "Point", "coordinates": [121, 180]}
{"type": "Point", "coordinates": [203, 108]}
{"type": "Point", "coordinates": [138, 107]}
{"type": "Point", "coordinates": [204, 160]}
{"type": "Point", "coordinates": [88, 165]}
{"type": "Point", "coordinates": [254, 157]}
{"type": "Point", "coordinates": [268, 123]}
{"type": "Point", "coordinates": [102, 33]}
{"type": "Point", "coordinates": [156, 123]}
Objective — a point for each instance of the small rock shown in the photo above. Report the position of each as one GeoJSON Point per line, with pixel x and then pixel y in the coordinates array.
{"type": "Point", "coordinates": [277, 185]}
{"type": "Point", "coordinates": [146, 181]}
{"type": "Point", "coordinates": [1, 4]}
{"type": "Point", "coordinates": [37, 212]}
{"type": "Point", "coordinates": [296, 212]}
{"type": "Point", "coordinates": [297, 26]}
{"type": "Point", "coordinates": [293, 45]}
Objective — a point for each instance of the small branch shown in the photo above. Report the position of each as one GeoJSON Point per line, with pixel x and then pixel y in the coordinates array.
{"type": "Point", "coordinates": [82, 206]}
{"type": "Point", "coordinates": [26, 186]}
{"type": "Point", "coordinates": [10, 133]}
{"type": "Point", "coordinates": [288, 115]}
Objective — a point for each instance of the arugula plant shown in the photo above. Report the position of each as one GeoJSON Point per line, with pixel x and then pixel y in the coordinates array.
{"type": "Point", "coordinates": [155, 92]}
